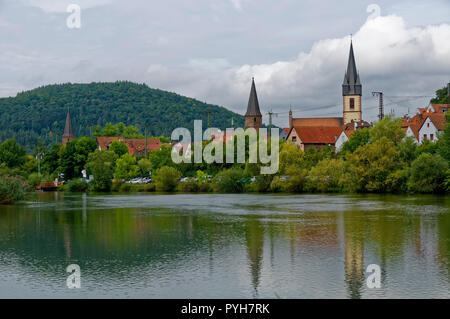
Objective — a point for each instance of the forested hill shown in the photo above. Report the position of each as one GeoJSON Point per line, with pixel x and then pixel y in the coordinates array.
{"type": "Point", "coordinates": [40, 114]}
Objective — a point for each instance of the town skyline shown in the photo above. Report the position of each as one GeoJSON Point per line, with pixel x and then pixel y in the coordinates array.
{"type": "Point", "coordinates": [399, 52]}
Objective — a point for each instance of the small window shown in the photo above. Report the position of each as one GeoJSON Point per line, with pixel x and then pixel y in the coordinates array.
{"type": "Point", "coordinates": [294, 139]}
{"type": "Point", "coordinates": [428, 124]}
{"type": "Point", "coordinates": [352, 103]}
{"type": "Point", "coordinates": [254, 119]}
{"type": "Point", "coordinates": [424, 136]}
{"type": "Point", "coordinates": [432, 137]}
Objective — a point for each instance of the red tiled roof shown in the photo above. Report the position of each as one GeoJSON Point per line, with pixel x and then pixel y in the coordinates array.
{"type": "Point", "coordinates": [439, 108]}
{"type": "Point", "coordinates": [287, 130]}
{"type": "Point", "coordinates": [438, 120]}
{"type": "Point", "coordinates": [318, 134]}
{"type": "Point", "coordinates": [135, 146]}
{"type": "Point", "coordinates": [318, 121]}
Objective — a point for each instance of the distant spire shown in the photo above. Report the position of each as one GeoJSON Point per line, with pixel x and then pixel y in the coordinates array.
{"type": "Point", "coordinates": [253, 104]}
{"type": "Point", "coordinates": [68, 132]}
{"type": "Point", "coordinates": [352, 83]}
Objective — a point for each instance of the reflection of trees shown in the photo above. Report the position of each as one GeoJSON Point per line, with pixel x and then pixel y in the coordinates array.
{"type": "Point", "coordinates": [255, 244]}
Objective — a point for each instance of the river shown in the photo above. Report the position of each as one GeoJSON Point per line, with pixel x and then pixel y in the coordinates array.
{"type": "Point", "coordinates": [225, 246]}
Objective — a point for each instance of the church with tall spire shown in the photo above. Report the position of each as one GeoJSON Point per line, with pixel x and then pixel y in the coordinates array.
{"type": "Point", "coordinates": [253, 116]}
{"type": "Point", "coordinates": [320, 132]}
{"type": "Point", "coordinates": [352, 91]}
{"type": "Point", "coordinates": [68, 131]}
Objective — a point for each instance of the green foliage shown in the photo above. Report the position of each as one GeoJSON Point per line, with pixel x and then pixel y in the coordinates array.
{"type": "Point", "coordinates": [119, 129]}
{"type": "Point", "coordinates": [74, 156]}
{"type": "Point", "coordinates": [50, 160]}
{"type": "Point", "coordinates": [371, 164]}
{"type": "Point", "coordinates": [126, 167]}
{"type": "Point", "coordinates": [327, 176]}
{"type": "Point", "coordinates": [12, 188]}
{"type": "Point", "coordinates": [77, 185]}
{"type": "Point", "coordinates": [407, 150]}
{"type": "Point", "coordinates": [102, 165]}
{"type": "Point", "coordinates": [229, 181]}
{"type": "Point", "coordinates": [40, 114]}
{"type": "Point", "coordinates": [428, 174]}
{"type": "Point", "coordinates": [166, 179]}
{"type": "Point", "coordinates": [357, 139]}
{"type": "Point", "coordinates": [293, 182]}
{"type": "Point", "coordinates": [189, 186]}
{"type": "Point", "coordinates": [441, 97]}
{"type": "Point", "coordinates": [443, 144]}
{"type": "Point", "coordinates": [12, 154]}
{"type": "Point", "coordinates": [144, 166]}
{"type": "Point", "coordinates": [120, 148]}
{"type": "Point", "coordinates": [389, 128]}
{"type": "Point", "coordinates": [35, 179]}
{"type": "Point", "coordinates": [161, 157]}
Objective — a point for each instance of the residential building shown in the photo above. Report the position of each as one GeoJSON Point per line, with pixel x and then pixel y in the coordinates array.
{"type": "Point", "coordinates": [136, 147]}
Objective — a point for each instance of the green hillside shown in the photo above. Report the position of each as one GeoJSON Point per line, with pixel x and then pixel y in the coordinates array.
{"type": "Point", "coordinates": [39, 114]}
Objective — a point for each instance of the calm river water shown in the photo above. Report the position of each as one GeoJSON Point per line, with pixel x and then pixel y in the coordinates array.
{"type": "Point", "coordinates": [225, 246]}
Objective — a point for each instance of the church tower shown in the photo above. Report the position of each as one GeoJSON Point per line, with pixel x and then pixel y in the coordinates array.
{"type": "Point", "coordinates": [68, 132]}
{"type": "Point", "coordinates": [352, 91]}
{"type": "Point", "coordinates": [253, 117]}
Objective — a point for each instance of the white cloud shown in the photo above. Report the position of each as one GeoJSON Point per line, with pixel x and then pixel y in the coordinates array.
{"type": "Point", "coordinates": [390, 56]}
{"type": "Point", "coordinates": [59, 6]}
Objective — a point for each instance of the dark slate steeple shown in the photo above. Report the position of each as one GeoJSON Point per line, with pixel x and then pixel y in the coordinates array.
{"type": "Point", "coordinates": [352, 84]}
{"type": "Point", "coordinates": [68, 132]}
{"type": "Point", "coordinates": [253, 104]}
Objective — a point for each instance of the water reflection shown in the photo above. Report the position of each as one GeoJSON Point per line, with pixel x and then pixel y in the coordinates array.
{"type": "Point", "coordinates": [225, 246]}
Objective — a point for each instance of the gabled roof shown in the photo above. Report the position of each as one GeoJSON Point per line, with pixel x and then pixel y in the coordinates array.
{"type": "Point", "coordinates": [438, 120]}
{"type": "Point", "coordinates": [319, 121]}
{"type": "Point", "coordinates": [318, 134]}
{"type": "Point", "coordinates": [440, 108]}
{"type": "Point", "coordinates": [253, 104]}
{"type": "Point", "coordinates": [68, 132]}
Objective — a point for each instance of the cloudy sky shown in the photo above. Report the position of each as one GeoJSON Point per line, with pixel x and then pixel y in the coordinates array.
{"type": "Point", "coordinates": [209, 49]}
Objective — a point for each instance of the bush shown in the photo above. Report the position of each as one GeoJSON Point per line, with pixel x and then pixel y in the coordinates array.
{"type": "Point", "coordinates": [77, 186]}
{"type": "Point", "coordinates": [166, 179]}
{"type": "Point", "coordinates": [428, 174]}
{"type": "Point", "coordinates": [115, 187]}
{"type": "Point", "coordinates": [142, 188]}
{"type": "Point", "coordinates": [12, 188]}
{"type": "Point", "coordinates": [125, 188]}
{"type": "Point", "coordinates": [327, 176]}
{"type": "Point", "coordinates": [229, 181]}
{"type": "Point", "coordinates": [189, 186]}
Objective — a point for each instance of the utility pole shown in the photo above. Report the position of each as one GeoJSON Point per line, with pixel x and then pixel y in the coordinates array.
{"type": "Point", "coordinates": [271, 113]}
{"type": "Point", "coordinates": [381, 106]}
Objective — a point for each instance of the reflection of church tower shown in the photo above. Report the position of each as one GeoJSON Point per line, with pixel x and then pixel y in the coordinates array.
{"type": "Point", "coordinates": [68, 132]}
{"type": "Point", "coordinates": [253, 117]}
{"type": "Point", "coordinates": [354, 261]}
{"type": "Point", "coordinates": [255, 243]}
{"type": "Point", "coordinates": [352, 91]}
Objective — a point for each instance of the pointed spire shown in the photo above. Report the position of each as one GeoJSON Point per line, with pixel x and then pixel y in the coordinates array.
{"type": "Point", "coordinates": [68, 132]}
{"type": "Point", "coordinates": [253, 104]}
{"type": "Point", "coordinates": [352, 83]}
